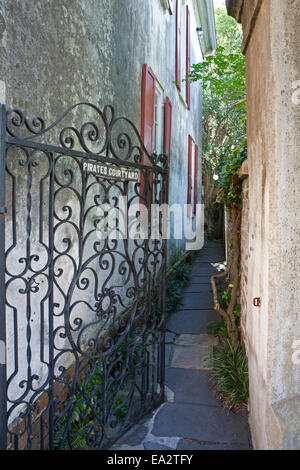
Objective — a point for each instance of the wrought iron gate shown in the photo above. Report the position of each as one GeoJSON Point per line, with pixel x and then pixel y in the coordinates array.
{"type": "Point", "coordinates": [82, 300]}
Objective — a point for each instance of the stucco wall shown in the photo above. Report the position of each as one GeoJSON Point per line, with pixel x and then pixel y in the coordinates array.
{"type": "Point", "coordinates": [244, 256]}
{"type": "Point", "coordinates": [270, 250]}
{"type": "Point", "coordinates": [54, 54]}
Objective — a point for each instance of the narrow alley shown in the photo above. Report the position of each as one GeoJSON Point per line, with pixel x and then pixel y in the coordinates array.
{"type": "Point", "coordinates": [145, 147]}
{"type": "Point", "coordinates": [192, 418]}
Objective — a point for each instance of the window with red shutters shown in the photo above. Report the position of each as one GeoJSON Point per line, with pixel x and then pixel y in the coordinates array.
{"type": "Point", "coordinates": [178, 45]}
{"type": "Point", "coordinates": [147, 123]}
{"type": "Point", "coordinates": [148, 100]}
{"type": "Point", "coordinates": [188, 58]}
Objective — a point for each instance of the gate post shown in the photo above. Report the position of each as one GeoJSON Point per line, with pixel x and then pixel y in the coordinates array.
{"type": "Point", "coordinates": [3, 382]}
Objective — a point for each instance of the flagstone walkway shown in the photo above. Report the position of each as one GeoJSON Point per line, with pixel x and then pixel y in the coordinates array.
{"type": "Point", "coordinates": [192, 418]}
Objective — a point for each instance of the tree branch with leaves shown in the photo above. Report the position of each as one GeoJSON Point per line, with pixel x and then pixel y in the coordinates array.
{"type": "Point", "coordinates": [223, 78]}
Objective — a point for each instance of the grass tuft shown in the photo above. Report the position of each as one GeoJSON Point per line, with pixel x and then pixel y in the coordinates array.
{"type": "Point", "coordinates": [175, 287]}
{"type": "Point", "coordinates": [230, 371]}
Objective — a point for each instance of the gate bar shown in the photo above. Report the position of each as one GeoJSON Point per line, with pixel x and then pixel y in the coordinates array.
{"type": "Point", "coordinates": [76, 153]}
{"type": "Point", "coordinates": [3, 379]}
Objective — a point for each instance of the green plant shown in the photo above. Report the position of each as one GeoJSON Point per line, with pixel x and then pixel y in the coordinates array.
{"type": "Point", "coordinates": [218, 328]}
{"type": "Point", "coordinates": [230, 371]}
{"type": "Point", "coordinates": [183, 274]}
{"type": "Point", "coordinates": [224, 106]}
{"type": "Point", "coordinates": [84, 412]}
{"type": "Point", "coordinates": [226, 296]}
{"type": "Point", "coordinates": [223, 77]}
{"type": "Point", "coordinates": [231, 195]}
{"type": "Point", "coordinates": [81, 419]}
{"type": "Point", "coordinates": [77, 435]}
{"type": "Point", "coordinates": [229, 184]}
{"type": "Point", "coordinates": [176, 257]}
{"type": "Point", "coordinates": [212, 233]}
{"type": "Point", "coordinates": [176, 283]}
{"type": "Point", "coordinates": [237, 310]}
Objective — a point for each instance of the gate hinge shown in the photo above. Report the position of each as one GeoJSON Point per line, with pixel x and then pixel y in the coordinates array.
{"type": "Point", "coordinates": [3, 210]}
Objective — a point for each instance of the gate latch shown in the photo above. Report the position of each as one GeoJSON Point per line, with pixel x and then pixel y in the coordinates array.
{"type": "Point", "coordinates": [3, 210]}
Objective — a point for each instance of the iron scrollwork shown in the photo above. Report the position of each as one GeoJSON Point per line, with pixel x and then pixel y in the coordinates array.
{"type": "Point", "coordinates": [85, 136]}
{"type": "Point", "coordinates": [85, 315]}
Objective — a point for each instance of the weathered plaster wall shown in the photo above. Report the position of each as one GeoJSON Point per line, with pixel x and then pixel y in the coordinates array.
{"type": "Point", "coordinates": [270, 251]}
{"type": "Point", "coordinates": [244, 255]}
{"type": "Point", "coordinates": [151, 40]}
{"type": "Point", "coordinates": [285, 383]}
{"type": "Point", "coordinates": [54, 54]}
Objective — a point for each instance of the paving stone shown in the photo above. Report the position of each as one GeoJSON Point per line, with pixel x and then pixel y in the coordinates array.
{"type": "Point", "coordinates": [210, 258]}
{"type": "Point", "coordinates": [199, 283]}
{"type": "Point", "coordinates": [192, 386]}
{"type": "Point", "coordinates": [211, 255]}
{"type": "Point", "coordinates": [135, 436]}
{"type": "Point", "coordinates": [155, 446]}
{"type": "Point", "coordinates": [202, 278]}
{"type": "Point", "coordinates": [214, 246]}
{"type": "Point", "coordinates": [127, 447]}
{"type": "Point", "coordinates": [196, 340]}
{"type": "Point", "coordinates": [213, 252]}
{"type": "Point", "coordinates": [168, 354]}
{"type": "Point", "coordinates": [205, 271]}
{"type": "Point", "coordinates": [199, 289]}
{"type": "Point", "coordinates": [191, 418]}
{"type": "Point", "coordinates": [192, 357]}
{"type": "Point", "coordinates": [191, 321]}
{"type": "Point", "coordinates": [197, 301]}
{"type": "Point", "coordinates": [169, 394]}
{"type": "Point", "coordinates": [147, 418]}
{"type": "Point", "coordinates": [194, 445]}
{"type": "Point", "coordinates": [202, 423]}
{"type": "Point", "coordinates": [170, 337]}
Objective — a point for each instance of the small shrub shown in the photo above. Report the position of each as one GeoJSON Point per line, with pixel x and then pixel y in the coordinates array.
{"type": "Point", "coordinates": [76, 426]}
{"type": "Point", "coordinates": [176, 283]}
{"type": "Point", "coordinates": [218, 328]}
{"type": "Point", "coordinates": [230, 371]}
{"type": "Point", "coordinates": [212, 234]}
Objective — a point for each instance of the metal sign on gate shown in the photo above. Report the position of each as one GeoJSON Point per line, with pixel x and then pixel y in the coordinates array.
{"type": "Point", "coordinates": [111, 171]}
{"type": "Point", "coordinates": [82, 318]}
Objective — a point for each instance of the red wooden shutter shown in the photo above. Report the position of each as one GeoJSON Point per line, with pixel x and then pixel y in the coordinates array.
{"type": "Point", "coordinates": [196, 180]}
{"type": "Point", "coordinates": [168, 128]}
{"type": "Point", "coordinates": [147, 124]}
{"type": "Point", "coordinates": [189, 189]}
{"type": "Point", "coordinates": [148, 97]}
{"type": "Point", "coordinates": [188, 58]}
{"type": "Point", "coordinates": [168, 134]}
{"type": "Point", "coordinates": [178, 45]}
{"type": "Point", "coordinates": [170, 7]}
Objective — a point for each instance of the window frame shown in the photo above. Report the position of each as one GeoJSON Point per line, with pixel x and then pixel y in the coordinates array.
{"type": "Point", "coordinates": [158, 119]}
{"type": "Point", "coordinates": [192, 183]}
